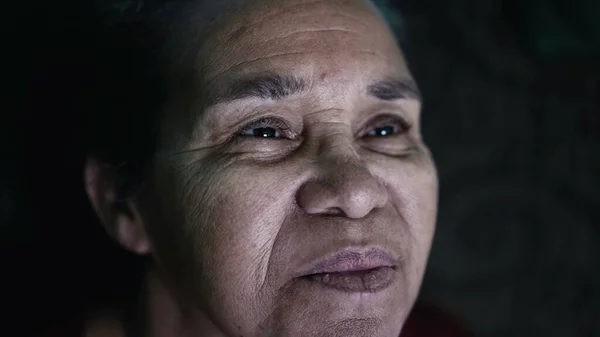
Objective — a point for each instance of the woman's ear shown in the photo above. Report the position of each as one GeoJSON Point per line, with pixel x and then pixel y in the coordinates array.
{"type": "Point", "coordinates": [120, 218]}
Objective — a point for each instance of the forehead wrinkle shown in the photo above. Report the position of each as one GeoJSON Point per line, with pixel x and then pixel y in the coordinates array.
{"type": "Point", "coordinates": [316, 30]}
{"type": "Point", "coordinates": [254, 38]}
{"type": "Point", "coordinates": [328, 15]}
{"type": "Point", "coordinates": [213, 77]}
{"type": "Point", "coordinates": [257, 45]}
{"type": "Point", "coordinates": [243, 24]}
{"type": "Point", "coordinates": [273, 13]}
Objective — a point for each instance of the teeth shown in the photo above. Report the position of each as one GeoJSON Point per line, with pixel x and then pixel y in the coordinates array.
{"type": "Point", "coordinates": [326, 278]}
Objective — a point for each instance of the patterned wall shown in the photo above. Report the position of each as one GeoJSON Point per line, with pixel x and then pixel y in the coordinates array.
{"type": "Point", "coordinates": [517, 143]}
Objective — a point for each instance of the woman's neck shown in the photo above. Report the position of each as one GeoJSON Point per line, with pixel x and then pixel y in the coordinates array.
{"type": "Point", "coordinates": [164, 313]}
{"type": "Point", "coordinates": [155, 312]}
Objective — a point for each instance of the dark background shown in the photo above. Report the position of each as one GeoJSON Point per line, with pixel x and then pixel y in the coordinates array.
{"type": "Point", "coordinates": [512, 114]}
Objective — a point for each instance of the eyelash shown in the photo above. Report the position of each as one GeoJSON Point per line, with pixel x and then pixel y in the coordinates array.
{"type": "Point", "coordinates": [387, 120]}
{"type": "Point", "coordinates": [278, 124]}
{"type": "Point", "coordinates": [265, 122]}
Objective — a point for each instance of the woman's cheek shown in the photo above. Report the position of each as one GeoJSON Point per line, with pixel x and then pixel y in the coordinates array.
{"type": "Point", "coordinates": [236, 203]}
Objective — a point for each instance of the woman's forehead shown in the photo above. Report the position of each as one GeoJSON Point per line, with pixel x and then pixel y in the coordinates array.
{"type": "Point", "coordinates": [292, 37]}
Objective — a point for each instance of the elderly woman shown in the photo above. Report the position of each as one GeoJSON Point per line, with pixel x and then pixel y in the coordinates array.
{"type": "Point", "coordinates": [265, 156]}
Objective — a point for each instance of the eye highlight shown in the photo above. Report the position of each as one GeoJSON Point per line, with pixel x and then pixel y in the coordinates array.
{"type": "Point", "coordinates": [387, 126]}
{"type": "Point", "coordinates": [266, 127]}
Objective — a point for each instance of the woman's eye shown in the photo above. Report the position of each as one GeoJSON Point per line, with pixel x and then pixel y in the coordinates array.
{"type": "Point", "coordinates": [268, 127]}
{"type": "Point", "coordinates": [383, 131]}
{"type": "Point", "coordinates": [389, 127]}
{"type": "Point", "coordinates": [267, 132]}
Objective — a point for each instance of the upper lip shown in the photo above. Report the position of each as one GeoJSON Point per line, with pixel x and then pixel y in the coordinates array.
{"type": "Point", "coordinates": [353, 260]}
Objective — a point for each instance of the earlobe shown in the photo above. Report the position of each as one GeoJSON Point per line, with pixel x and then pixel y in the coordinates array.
{"type": "Point", "coordinates": [130, 231]}
{"type": "Point", "coordinates": [96, 188]}
{"type": "Point", "coordinates": [120, 218]}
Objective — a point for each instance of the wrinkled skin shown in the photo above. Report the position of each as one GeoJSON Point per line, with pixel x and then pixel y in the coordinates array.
{"type": "Point", "coordinates": [230, 220]}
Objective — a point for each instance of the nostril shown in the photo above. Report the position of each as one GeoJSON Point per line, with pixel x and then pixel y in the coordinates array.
{"type": "Point", "coordinates": [334, 211]}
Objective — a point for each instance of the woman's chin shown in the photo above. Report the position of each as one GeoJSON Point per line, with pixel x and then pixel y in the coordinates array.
{"type": "Point", "coordinates": [316, 307]}
{"type": "Point", "coordinates": [348, 327]}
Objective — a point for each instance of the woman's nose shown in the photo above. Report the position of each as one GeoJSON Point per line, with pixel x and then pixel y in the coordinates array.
{"type": "Point", "coordinates": [343, 185]}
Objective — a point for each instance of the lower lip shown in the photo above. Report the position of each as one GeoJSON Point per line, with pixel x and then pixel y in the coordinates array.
{"type": "Point", "coordinates": [364, 281]}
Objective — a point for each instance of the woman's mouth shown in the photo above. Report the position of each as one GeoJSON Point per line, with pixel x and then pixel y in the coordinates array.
{"type": "Point", "coordinates": [369, 280]}
{"type": "Point", "coordinates": [355, 271]}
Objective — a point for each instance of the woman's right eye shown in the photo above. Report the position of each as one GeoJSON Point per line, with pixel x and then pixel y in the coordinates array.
{"type": "Point", "coordinates": [266, 132]}
{"type": "Point", "coordinates": [268, 127]}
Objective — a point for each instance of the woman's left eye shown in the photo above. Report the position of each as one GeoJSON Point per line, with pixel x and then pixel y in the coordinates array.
{"type": "Point", "coordinates": [389, 127]}
{"type": "Point", "coordinates": [383, 131]}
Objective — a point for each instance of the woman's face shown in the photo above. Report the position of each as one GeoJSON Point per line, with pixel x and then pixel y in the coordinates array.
{"type": "Point", "coordinates": [303, 203]}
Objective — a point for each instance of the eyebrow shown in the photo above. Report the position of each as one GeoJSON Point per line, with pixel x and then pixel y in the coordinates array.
{"type": "Point", "coordinates": [276, 87]}
{"type": "Point", "coordinates": [273, 87]}
{"type": "Point", "coordinates": [393, 89]}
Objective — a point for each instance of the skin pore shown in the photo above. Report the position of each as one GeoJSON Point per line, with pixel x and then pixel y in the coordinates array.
{"type": "Point", "coordinates": [303, 141]}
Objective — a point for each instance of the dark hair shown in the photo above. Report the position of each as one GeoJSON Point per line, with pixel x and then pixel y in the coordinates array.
{"type": "Point", "coordinates": [124, 91]}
